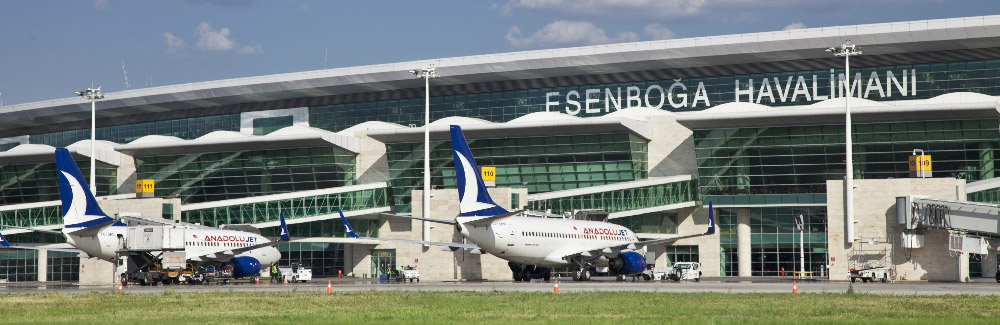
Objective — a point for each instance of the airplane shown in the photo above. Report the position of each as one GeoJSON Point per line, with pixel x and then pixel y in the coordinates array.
{"type": "Point", "coordinates": [93, 233]}
{"type": "Point", "coordinates": [533, 245]}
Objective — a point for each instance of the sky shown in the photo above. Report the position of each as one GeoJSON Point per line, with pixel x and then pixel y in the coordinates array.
{"type": "Point", "coordinates": [49, 49]}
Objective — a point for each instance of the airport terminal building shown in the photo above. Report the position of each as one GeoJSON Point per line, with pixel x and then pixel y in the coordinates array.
{"type": "Point", "coordinates": [645, 134]}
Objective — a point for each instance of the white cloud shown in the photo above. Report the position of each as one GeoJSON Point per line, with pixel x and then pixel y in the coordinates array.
{"type": "Point", "coordinates": [174, 44]}
{"type": "Point", "coordinates": [212, 40]}
{"type": "Point", "coordinates": [659, 32]}
{"type": "Point", "coordinates": [794, 26]}
{"type": "Point", "coordinates": [100, 4]}
{"type": "Point", "coordinates": [566, 33]}
{"type": "Point", "coordinates": [608, 8]}
{"type": "Point", "coordinates": [251, 49]}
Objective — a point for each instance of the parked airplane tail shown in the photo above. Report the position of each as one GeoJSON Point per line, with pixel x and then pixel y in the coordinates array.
{"type": "Point", "coordinates": [474, 200]}
{"type": "Point", "coordinates": [4, 242]}
{"type": "Point", "coordinates": [79, 207]}
{"type": "Point", "coordinates": [711, 219]}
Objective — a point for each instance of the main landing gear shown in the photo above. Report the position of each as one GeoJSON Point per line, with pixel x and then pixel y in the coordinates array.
{"type": "Point", "coordinates": [523, 272]}
{"type": "Point", "coordinates": [582, 275]}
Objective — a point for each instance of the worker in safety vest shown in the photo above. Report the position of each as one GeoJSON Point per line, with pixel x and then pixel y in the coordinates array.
{"type": "Point", "coordinates": [274, 272]}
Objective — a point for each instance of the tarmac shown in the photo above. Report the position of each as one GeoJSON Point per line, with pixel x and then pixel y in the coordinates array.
{"type": "Point", "coordinates": [979, 286]}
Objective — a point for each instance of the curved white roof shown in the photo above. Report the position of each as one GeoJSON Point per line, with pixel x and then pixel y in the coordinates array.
{"type": "Point", "coordinates": [99, 144]}
{"type": "Point", "coordinates": [738, 107]}
{"type": "Point", "coordinates": [639, 113]}
{"type": "Point", "coordinates": [26, 147]}
{"type": "Point", "coordinates": [839, 103]}
{"type": "Point", "coordinates": [155, 139]}
{"type": "Point", "coordinates": [544, 116]}
{"type": "Point", "coordinates": [459, 120]}
{"type": "Point", "coordinates": [297, 130]}
{"type": "Point", "coordinates": [370, 125]}
{"type": "Point", "coordinates": [960, 97]}
{"type": "Point", "coordinates": [218, 135]}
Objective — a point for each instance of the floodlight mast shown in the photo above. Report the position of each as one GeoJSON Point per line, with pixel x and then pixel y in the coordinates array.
{"type": "Point", "coordinates": [847, 50]}
{"type": "Point", "coordinates": [93, 94]}
{"type": "Point", "coordinates": [426, 73]}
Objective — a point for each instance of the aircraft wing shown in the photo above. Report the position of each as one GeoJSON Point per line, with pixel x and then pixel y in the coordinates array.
{"type": "Point", "coordinates": [47, 231]}
{"type": "Point", "coordinates": [452, 246]}
{"type": "Point", "coordinates": [632, 246]}
{"type": "Point", "coordinates": [486, 221]}
{"type": "Point", "coordinates": [5, 244]}
{"type": "Point", "coordinates": [450, 222]}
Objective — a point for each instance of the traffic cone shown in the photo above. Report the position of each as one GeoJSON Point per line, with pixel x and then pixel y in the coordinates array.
{"type": "Point", "coordinates": [556, 288]}
{"type": "Point", "coordinates": [286, 280]}
{"type": "Point", "coordinates": [340, 273]}
{"type": "Point", "coordinates": [120, 288]}
{"type": "Point", "coordinates": [258, 281]}
{"type": "Point", "coordinates": [795, 287]}
{"type": "Point", "coordinates": [329, 286]}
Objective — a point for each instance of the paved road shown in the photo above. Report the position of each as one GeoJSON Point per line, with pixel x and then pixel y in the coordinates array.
{"type": "Point", "coordinates": [758, 285]}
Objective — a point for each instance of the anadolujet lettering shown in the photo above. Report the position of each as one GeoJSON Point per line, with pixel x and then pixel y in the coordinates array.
{"type": "Point", "coordinates": [231, 238]}
{"type": "Point", "coordinates": [603, 231]}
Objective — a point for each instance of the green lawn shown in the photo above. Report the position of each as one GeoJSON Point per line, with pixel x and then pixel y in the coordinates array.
{"type": "Point", "coordinates": [406, 307]}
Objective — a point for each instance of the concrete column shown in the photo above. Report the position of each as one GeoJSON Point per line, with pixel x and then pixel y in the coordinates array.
{"type": "Point", "coordinates": [963, 267]}
{"type": "Point", "coordinates": [43, 265]}
{"type": "Point", "coordinates": [990, 264]}
{"type": "Point", "coordinates": [743, 241]}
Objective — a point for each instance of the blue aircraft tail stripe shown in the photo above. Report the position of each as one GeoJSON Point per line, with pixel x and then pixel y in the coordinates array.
{"type": "Point", "coordinates": [67, 169]}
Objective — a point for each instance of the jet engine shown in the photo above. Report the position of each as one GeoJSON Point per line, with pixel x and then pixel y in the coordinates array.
{"type": "Point", "coordinates": [627, 263]}
{"type": "Point", "coordinates": [245, 266]}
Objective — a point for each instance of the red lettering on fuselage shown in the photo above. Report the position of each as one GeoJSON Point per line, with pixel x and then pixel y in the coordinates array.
{"type": "Point", "coordinates": [603, 231]}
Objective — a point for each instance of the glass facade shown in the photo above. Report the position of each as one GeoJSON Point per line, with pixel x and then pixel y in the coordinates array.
{"type": "Point", "coordinates": [33, 217]}
{"type": "Point", "coordinates": [541, 164]}
{"type": "Point", "coordinates": [8, 146]}
{"type": "Point", "coordinates": [682, 253]}
{"type": "Point", "coordinates": [266, 125]}
{"type": "Point", "coordinates": [774, 240]}
{"type": "Point", "coordinates": [31, 183]}
{"type": "Point", "coordinates": [215, 176]}
{"type": "Point", "coordinates": [791, 165]}
{"type": "Point", "coordinates": [62, 266]}
{"type": "Point", "coordinates": [17, 265]}
{"type": "Point", "coordinates": [649, 223]}
{"type": "Point", "coordinates": [308, 206]}
{"type": "Point", "coordinates": [186, 128]}
{"type": "Point", "coordinates": [931, 80]}
{"type": "Point", "coordinates": [728, 241]}
{"type": "Point", "coordinates": [986, 196]}
{"type": "Point", "coordinates": [623, 199]}
{"type": "Point", "coordinates": [325, 258]}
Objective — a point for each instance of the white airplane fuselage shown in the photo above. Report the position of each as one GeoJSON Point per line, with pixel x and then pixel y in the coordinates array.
{"type": "Point", "coordinates": [197, 242]}
{"type": "Point", "coordinates": [545, 241]}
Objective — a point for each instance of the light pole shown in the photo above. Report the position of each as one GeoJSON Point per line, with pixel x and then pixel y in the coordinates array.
{"type": "Point", "coordinates": [93, 95]}
{"type": "Point", "coordinates": [847, 50]}
{"type": "Point", "coordinates": [426, 73]}
{"type": "Point", "coordinates": [800, 223]}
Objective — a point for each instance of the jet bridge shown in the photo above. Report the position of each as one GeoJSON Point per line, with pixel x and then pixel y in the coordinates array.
{"type": "Point", "coordinates": [962, 219]}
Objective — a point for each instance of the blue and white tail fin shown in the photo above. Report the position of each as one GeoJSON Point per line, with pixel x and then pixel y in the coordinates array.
{"type": "Point", "coordinates": [474, 200]}
{"type": "Point", "coordinates": [79, 207]}
{"type": "Point", "coordinates": [347, 226]}
{"type": "Point", "coordinates": [3, 242]}
{"type": "Point", "coordinates": [284, 228]}
{"type": "Point", "coordinates": [711, 219]}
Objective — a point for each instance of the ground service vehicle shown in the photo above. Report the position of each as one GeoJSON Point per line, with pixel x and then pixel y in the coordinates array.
{"type": "Point", "coordinates": [684, 271]}
{"type": "Point", "coordinates": [408, 273]}
{"type": "Point", "coordinates": [871, 274]}
{"type": "Point", "coordinates": [298, 272]}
